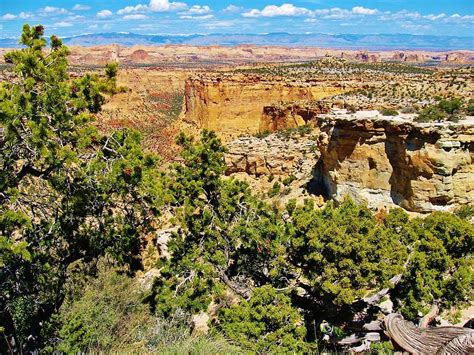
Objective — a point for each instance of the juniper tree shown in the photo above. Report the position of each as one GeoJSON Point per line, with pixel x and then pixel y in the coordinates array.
{"type": "Point", "coordinates": [68, 195]}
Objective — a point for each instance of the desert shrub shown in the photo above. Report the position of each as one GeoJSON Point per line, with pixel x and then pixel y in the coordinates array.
{"type": "Point", "coordinates": [409, 109]}
{"type": "Point", "coordinates": [465, 212]}
{"type": "Point", "coordinates": [288, 180]}
{"type": "Point", "coordinates": [388, 112]}
{"type": "Point", "coordinates": [106, 313]}
{"type": "Point", "coordinates": [431, 114]}
{"type": "Point", "coordinates": [445, 109]}
{"type": "Point", "coordinates": [470, 107]}
{"type": "Point", "coordinates": [110, 316]}
{"type": "Point", "coordinates": [275, 190]}
{"type": "Point", "coordinates": [266, 324]}
{"type": "Point", "coordinates": [342, 251]}
{"type": "Point", "coordinates": [263, 134]}
{"type": "Point", "coordinates": [450, 106]}
{"type": "Point", "coordinates": [440, 268]}
{"type": "Point", "coordinates": [385, 347]}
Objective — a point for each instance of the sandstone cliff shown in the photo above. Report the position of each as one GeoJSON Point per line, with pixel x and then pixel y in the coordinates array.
{"type": "Point", "coordinates": [381, 161]}
{"type": "Point", "coordinates": [232, 106]}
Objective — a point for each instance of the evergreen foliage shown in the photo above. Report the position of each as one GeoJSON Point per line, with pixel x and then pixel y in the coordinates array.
{"type": "Point", "coordinates": [67, 194]}
{"type": "Point", "coordinates": [266, 324]}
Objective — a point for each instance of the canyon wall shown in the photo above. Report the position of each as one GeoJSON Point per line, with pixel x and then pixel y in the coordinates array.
{"type": "Point", "coordinates": [381, 161]}
{"type": "Point", "coordinates": [232, 106]}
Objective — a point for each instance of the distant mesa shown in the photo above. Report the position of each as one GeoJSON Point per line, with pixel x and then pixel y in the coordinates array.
{"type": "Point", "coordinates": [346, 41]}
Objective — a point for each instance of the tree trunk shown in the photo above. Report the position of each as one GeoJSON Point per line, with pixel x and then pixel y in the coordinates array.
{"type": "Point", "coordinates": [440, 340]}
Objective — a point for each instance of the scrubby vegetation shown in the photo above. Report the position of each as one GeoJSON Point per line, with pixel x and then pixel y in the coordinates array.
{"type": "Point", "coordinates": [77, 208]}
{"type": "Point", "coordinates": [445, 109]}
{"type": "Point", "coordinates": [389, 112]}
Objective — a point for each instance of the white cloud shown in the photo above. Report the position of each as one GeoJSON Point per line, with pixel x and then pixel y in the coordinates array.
{"type": "Point", "coordinates": [51, 10]}
{"type": "Point", "coordinates": [25, 15]}
{"type": "Point", "coordinates": [104, 14]}
{"type": "Point", "coordinates": [213, 25]}
{"type": "Point", "coordinates": [435, 17]}
{"type": "Point", "coordinates": [232, 9]}
{"type": "Point", "coordinates": [63, 24]}
{"type": "Point", "coordinates": [166, 5]}
{"type": "Point", "coordinates": [360, 10]}
{"type": "Point", "coordinates": [135, 17]}
{"type": "Point", "coordinates": [458, 17]}
{"type": "Point", "coordinates": [199, 10]}
{"type": "Point", "coordinates": [273, 11]}
{"type": "Point", "coordinates": [334, 13]}
{"type": "Point", "coordinates": [79, 7]}
{"type": "Point", "coordinates": [310, 20]}
{"type": "Point", "coordinates": [188, 17]}
{"type": "Point", "coordinates": [8, 17]}
{"type": "Point", "coordinates": [133, 9]}
{"type": "Point", "coordinates": [154, 6]}
{"type": "Point", "coordinates": [415, 27]}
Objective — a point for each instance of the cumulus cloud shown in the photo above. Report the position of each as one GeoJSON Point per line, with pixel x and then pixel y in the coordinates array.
{"type": "Point", "coordinates": [79, 7]}
{"type": "Point", "coordinates": [8, 17]}
{"type": "Point", "coordinates": [25, 15]}
{"type": "Point", "coordinates": [232, 9]}
{"type": "Point", "coordinates": [135, 17]}
{"type": "Point", "coordinates": [360, 10]}
{"type": "Point", "coordinates": [166, 5]}
{"type": "Point", "coordinates": [63, 24]}
{"type": "Point", "coordinates": [104, 14]}
{"type": "Point", "coordinates": [133, 9]}
{"type": "Point", "coordinates": [273, 11]}
{"type": "Point", "coordinates": [190, 17]}
{"type": "Point", "coordinates": [154, 6]}
{"type": "Point", "coordinates": [51, 10]}
{"type": "Point", "coordinates": [199, 10]}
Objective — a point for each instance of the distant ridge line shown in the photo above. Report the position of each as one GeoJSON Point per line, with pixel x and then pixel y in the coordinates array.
{"type": "Point", "coordinates": [320, 40]}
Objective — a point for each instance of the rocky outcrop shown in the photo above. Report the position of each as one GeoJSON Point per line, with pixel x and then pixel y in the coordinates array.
{"type": "Point", "coordinates": [273, 155]}
{"type": "Point", "coordinates": [380, 161]}
{"type": "Point", "coordinates": [232, 105]}
{"type": "Point", "coordinates": [385, 162]}
{"type": "Point", "coordinates": [278, 117]}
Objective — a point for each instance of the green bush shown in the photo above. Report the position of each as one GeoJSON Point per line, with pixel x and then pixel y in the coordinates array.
{"type": "Point", "coordinates": [110, 316]}
{"type": "Point", "coordinates": [470, 107]}
{"type": "Point", "coordinates": [266, 324]}
{"type": "Point", "coordinates": [106, 314]}
{"type": "Point", "coordinates": [275, 190]}
{"type": "Point", "coordinates": [431, 114]}
{"type": "Point", "coordinates": [287, 181]}
{"type": "Point", "coordinates": [389, 112]}
{"type": "Point", "coordinates": [440, 269]}
{"type": "Point", "coordinates": [446, 109]}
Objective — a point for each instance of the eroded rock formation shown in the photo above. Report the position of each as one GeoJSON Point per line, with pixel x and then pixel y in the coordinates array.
{"type": "Point", "coordinates": [419, 167]}
{"type": "Point", "coordinates": [381, 161]}
{"type": "Point", "coordinates": [232, 105]}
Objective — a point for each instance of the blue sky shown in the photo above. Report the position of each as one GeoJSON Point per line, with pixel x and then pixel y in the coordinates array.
{"type": "Point", "coordinates": [73, 17]}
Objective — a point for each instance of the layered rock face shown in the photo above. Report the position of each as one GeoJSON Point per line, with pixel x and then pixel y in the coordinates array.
{"type": "Point", "coordinates": [381, 161]}
{"type": "Point", "coordinates": [419, 167]}
{"type": "Point", "coordinates": [232, 106]}
{"type": "Point", "coordinates": [273, 155]}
